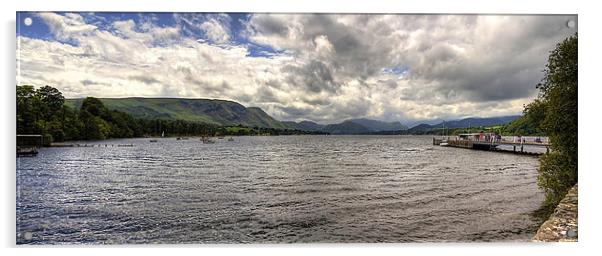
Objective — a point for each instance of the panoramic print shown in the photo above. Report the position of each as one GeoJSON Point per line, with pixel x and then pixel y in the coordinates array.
{"type": "Point", "coordinates": [210, 128]}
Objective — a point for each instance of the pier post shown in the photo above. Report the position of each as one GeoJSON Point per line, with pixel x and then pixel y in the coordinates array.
{"type": "Point", "coordinates": [514, 148]}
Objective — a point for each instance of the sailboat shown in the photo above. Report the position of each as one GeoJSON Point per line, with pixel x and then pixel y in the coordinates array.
{"type": "Point", "coordinates": [443, 142]}
{"type": "Point", "coordinates": [162, 134]}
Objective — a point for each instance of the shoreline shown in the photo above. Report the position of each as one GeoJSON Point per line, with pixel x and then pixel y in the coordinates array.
{"type": "Point", "coordinates": [62, 143]}
{"type": "Point", "coordinates": [561, 226]}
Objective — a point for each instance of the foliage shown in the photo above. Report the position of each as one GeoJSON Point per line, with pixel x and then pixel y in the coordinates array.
{"type": "Point", "coordinates": [44, 111]}
{"type": "Point", "coordinates": [557, 174]}
{"type": "Point", "coordinates": [555, 111]}
{"type": "Point", "coordinates": [525, 125]}
{"type": "Point", "coordinates": [209, 111]}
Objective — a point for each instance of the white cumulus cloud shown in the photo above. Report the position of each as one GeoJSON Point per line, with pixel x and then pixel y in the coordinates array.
{"type": "Point", "coordinates": [331, 66]}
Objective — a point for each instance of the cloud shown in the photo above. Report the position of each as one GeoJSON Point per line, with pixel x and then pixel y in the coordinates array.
{"type": "Point", "coordinates": [144, 79]}
{"type": "Point", "coordinates": [450, 60]}
{"type": "Point", "coordinates": [64, 27]}
{"type": "Point", "coordinates": [314, 76]}
{"type": "Point", "coordinates": [318, 67]}
{"type": "Point", "coordinates": [214, 27]}
{"type": "Point", "coordinates": [215, 31]}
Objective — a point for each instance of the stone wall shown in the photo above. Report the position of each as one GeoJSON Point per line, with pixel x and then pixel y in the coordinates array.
{"type": "Point", "coordinates": [562, 224]}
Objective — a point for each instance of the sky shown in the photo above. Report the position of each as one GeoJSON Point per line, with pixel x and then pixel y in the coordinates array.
{"type": "Point", "coordinates": [324, 68]}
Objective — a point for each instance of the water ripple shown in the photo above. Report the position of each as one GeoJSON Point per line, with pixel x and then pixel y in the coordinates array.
{"type": "Point", "coordinates": [275, 190]}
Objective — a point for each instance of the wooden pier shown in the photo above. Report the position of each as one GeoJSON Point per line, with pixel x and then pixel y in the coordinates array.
{"type": "Point", "coordinates": [28, 144]}
{"type": "Point", "coordinates": [517, 147]}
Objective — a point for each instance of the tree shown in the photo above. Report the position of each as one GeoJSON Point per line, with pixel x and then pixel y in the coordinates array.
{"type": "Point", "coordinates": [94, 128]}
{"type": "Point", "coordinates": [50, 110]}
{"type": "Point", "coordinates": [72, 125]}
{"type": "Point", "coordinates": [26, 110]}
{"type": "Point", "coordinates": [51, 100]}
{"type": "Point", "coordinates": [96, 118]}
{"type": "Point", "coordinates": [556, 112]}
{"type": "Point", "coordinates": [95, 107]}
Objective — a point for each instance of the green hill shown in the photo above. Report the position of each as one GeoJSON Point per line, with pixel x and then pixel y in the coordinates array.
{"type": "Point", "coordinates": [220, 112]}
{"type": "Point", "coordinates": [379, 126]}
{"type": "Point", "coordinates": [346, 127]}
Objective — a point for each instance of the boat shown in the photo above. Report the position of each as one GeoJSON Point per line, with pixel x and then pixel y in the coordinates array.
{"type": "Point", "coordinates": [178, 138]}
{"type": "Point", "coordinates": [153, 140]}
{"type": "Point", "coordinates": [27, 151]}
{"type": "Point", "coordinates": [444, 141]}
{"type": "Point", "coordinates": [206, 140]}
{"type": "Point", "coordinates": [221, 137]}
{"type": "Point", "coordinates": [230, 139]}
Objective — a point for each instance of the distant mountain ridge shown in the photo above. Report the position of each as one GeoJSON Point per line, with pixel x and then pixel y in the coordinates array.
{"type": "Point", "coordinates": [219, 112]}
{"type": "Point", "coordinates": [230, 113]}
{"type": "Point", "coordinates": [351, 126]}
{"type": "Point", "coordinates": [346, 127]}
{"type": "Point", "coordinates": [463, 123]}
{"type": "Point", "coordinates": [304, 125]}
{"type": "Point", "coordinates": [379, 126]}
{"type": "Point", "coordinates": [368, 126]}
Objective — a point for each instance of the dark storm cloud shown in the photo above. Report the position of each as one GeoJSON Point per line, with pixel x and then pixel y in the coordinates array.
{"type": "Point", "coordinates": [506, 66]}
{"type": "Point", "coordinates": [265, 95]}
{"type": "Point", "coordinates": [356, 52]}
{"type": "Point", "coordinates": [453, 59]}
{"type": "Point", "coordinates": [315, 77]}
{"type": "Point", "coordinates": [269, 25]}
{"type": "Point", "coordinates": [293, 112]}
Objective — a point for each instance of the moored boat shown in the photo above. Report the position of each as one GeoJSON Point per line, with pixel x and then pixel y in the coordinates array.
{"type": "Point", "coordinates": [27, 151]}
{"type": "Point", "coordinates": [207, 140]}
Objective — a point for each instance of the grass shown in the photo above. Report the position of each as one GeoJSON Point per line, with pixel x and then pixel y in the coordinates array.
{"type": "Point", "coordinates": [219, 112]}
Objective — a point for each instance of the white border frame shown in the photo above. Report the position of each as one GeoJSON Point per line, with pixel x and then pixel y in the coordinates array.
{"type": "Point", "coordinates": [589, 94]}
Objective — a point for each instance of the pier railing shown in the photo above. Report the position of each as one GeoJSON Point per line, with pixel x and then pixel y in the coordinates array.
{"type": "Point", "coordinates": [506, 140]}
{"type": "Point", "coordinates": [453, 142]}
{"type": "Point", "coordinates": [491, 144]}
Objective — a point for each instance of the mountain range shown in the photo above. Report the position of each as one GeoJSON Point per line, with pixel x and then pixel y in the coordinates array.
{"type": "Point", "coordinates": [462, 123]}
{"type": "Point", "coordinates": [229, 113]}
{"type": "Point", "coordinates": [351, 126]}
{"type": "Point", "coordinates": [220, 112]}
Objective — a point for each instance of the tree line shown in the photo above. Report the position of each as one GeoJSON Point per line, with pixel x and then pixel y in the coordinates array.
{"type": "Point", "coordinates": [554, 112]}
{"type": "Point", "coordinates": [43, 111]}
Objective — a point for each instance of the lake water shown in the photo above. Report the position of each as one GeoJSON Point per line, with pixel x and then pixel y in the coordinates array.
{"type": "Point", "coordinates": [282, 189]}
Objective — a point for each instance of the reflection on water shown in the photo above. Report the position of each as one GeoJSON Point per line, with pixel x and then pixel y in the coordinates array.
{"type": "Point", "coordinates": [275, 189]}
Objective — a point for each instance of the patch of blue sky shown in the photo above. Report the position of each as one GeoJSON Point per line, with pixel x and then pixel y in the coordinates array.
{"type": "Point", "coordinates": [400, 71]}
{"type": "Point", "coordinates": [258, 50]}
{"type": "Point", "coordinates": [37, 29]}
{"type": "Point", "coordinates": [236, 26]}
